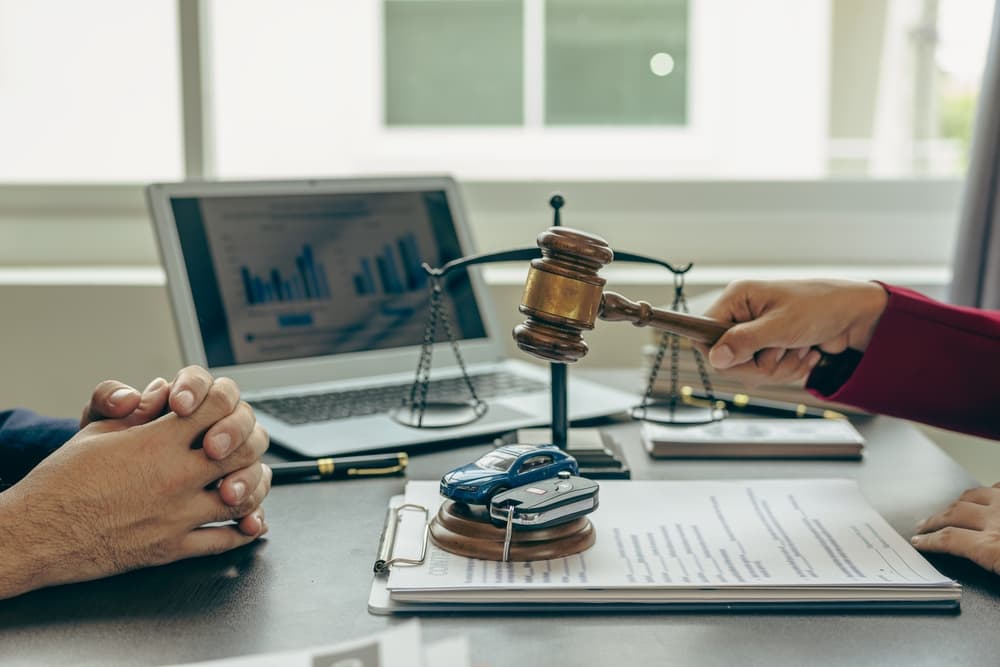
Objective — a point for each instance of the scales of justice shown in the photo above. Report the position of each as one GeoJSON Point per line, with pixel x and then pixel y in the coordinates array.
{"type": "Point", "coordinates": [564, 296]}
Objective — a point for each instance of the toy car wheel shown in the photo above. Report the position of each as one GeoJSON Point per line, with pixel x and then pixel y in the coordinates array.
{"type": "Point", "coordinates": [495, 491]}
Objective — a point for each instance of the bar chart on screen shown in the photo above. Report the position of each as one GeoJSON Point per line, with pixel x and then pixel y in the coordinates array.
{"type": "Point", "coordinates": [306, 282]}
{"type": "Point", "coordinates": [321, 277]}
{"type": "Point", "coordinates": [395, 277]}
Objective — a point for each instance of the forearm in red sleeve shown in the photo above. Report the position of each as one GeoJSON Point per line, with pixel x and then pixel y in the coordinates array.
{"type": "Point", "coordinates": [927, 361]}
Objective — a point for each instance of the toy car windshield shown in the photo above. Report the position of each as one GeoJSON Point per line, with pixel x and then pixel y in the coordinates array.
{"type": "Point", "coordinates": [502, 459]}
{"type": "Point", "coordinates": [496, 461]}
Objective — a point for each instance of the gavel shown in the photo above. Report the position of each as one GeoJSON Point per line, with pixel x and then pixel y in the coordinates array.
{"type": "Point", "coordinates": [564, 296]}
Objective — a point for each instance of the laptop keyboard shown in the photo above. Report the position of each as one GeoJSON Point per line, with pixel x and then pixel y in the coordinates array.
{"type": "Point", "coordinates": [307, 408]}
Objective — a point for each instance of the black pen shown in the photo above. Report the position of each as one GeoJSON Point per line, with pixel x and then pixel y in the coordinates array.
{"type": "Point", "coordinates": [746, 403]}
{"type": "Point", "coordinates": [345, 467]}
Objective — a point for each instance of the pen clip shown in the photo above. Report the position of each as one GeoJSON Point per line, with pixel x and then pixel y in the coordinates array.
{"type": "Point", "coordinates": [688, 398]}
{"type": "Point", "coordinates": [386, 546]}
{"type": "Point", "coordinates": [361, 472]}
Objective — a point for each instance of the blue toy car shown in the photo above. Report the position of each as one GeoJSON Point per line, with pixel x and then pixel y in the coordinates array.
{"type": "Point", "coordinates": [502, 469]}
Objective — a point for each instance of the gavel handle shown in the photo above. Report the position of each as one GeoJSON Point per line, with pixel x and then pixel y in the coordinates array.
{"type": "Point", "coordinates": [616, 308]}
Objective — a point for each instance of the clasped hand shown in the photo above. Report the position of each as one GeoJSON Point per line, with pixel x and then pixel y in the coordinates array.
{"type": "Point", "coordinates": [139, 483]}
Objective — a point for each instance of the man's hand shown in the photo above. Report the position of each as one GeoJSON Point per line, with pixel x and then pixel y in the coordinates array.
{"type": "Point", "coordinates": [116, 400]}
{"type": "Point", "coordinates": [113, 400]}
{"type": "Point", "coordinates": [969, 528]}
{"type": "Point", "coordinates": [114, 499]}
{"type": "Point", "coordinates": [780, 325]}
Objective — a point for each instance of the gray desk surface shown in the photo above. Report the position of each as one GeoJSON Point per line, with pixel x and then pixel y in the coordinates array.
{"type": "Point", "coordinates": [308, 584]}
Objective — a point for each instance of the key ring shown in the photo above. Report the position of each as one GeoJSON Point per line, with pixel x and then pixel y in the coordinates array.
{"type": "Point", "coordinates": [510, 531]}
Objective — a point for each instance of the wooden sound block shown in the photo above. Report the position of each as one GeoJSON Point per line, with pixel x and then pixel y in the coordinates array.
{"type": "Point", "coordinates": [467, 531]}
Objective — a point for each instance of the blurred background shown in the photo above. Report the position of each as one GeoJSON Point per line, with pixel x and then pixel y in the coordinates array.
{"type": "Point", "coordinates": [774, 138]}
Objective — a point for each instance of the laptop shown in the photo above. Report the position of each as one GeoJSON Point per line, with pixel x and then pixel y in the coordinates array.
{"type": "Point", "coordinates": [310, 294]}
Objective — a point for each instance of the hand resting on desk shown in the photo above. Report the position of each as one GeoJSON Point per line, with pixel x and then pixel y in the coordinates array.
{"type": "Point", "coordinates": [137, 489]}
{"type": "Point", "coordinates": [969, 528]}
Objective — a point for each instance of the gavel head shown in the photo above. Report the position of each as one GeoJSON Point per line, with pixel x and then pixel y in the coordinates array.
{"type": "Point", "coordinates": [562, 296]}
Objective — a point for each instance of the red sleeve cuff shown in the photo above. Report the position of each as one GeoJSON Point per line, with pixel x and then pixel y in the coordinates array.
{"type": "Point", "coordinates": [926, 361]}
{"type": "Point", "coordinates": [832, 372]}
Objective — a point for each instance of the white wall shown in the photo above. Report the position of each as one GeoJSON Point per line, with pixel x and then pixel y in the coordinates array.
{"type": "Point", "coordinates": [60, 340]}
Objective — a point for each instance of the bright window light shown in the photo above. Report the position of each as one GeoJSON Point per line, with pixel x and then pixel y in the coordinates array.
{"type": "Point", "coordinates": [89, 91]}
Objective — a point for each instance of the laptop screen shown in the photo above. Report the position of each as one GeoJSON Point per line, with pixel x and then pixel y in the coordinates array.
{"type": "Point", "coordinates": [280, 277]}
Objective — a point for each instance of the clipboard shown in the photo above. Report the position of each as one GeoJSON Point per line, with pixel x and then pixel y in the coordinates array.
{"type": "Point", "coordinates": [387, 555]}
{"type": "Point", "coordinates": [414, 591]}
{"type": "Point", "coordinates": [380, 603]}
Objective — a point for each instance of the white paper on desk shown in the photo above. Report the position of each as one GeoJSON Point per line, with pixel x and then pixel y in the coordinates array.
{"type": "Point", "coordinates": [395, 647]}
{"type": "Point", "coordinates": [782, 431]}
{"type": "Point", "coordinates": [697, 541]}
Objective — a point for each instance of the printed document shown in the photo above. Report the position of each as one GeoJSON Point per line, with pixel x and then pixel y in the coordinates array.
{"type": "Point", "coordinates": [789, 541]}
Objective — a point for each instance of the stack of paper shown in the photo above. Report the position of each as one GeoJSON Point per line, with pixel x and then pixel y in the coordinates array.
{"type": "Point", "coordinates": [755, 438]}
{"type": "Point", "coordinates": [793, 544]}
{"type": "Point", "coordinates": [400, 646]}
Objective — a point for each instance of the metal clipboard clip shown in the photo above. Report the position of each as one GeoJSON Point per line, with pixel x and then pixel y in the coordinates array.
{"type": "Point", "coordinates": [386, 545]}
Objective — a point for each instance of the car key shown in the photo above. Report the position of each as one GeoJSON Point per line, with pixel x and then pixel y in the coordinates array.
{"type": "Point", "coordinates": [546, 503]}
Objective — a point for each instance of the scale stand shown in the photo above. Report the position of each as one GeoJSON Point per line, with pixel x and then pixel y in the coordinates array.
{"type": "Point", "coordinates": [596, 451]}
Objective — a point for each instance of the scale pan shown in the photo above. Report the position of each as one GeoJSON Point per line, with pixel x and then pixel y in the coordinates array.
{"type": "Point", "coordinates": [439, 414]}
{"type": "Point", "coordinates": [681, 414]}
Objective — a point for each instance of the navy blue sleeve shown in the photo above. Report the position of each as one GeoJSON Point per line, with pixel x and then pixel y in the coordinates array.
{"type": "Point", "coordinates": [26, 438]}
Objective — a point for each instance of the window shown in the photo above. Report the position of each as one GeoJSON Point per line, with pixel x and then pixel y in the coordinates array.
{"type": "Point", "coordinates": [535, 462]}
{"type": "Point", "coordinates": [557, 62]}
{"type": "Point", "coordinates": [904, 80]}
{"type": "Point", "coordinates": [515, 98]}
{"type": "Point", "coordinates": [425, 84]}
{"type": "Point", "coordinates": [332, 58]}
{"type": "Point", "coordinates": [89, 91]}
{"type": "Point", "coordinates": [616, 63]}
{"type": "Point", "coordinates": [497, 89]}
{"type": "Point", "coordinates": [589, 89]}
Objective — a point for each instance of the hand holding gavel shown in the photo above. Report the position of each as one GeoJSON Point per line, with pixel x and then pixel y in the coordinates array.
{"type": "Point", "coordinates": [564, 295]}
